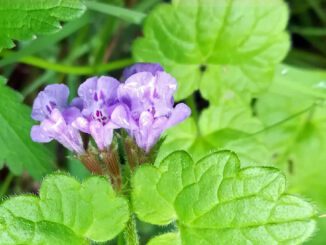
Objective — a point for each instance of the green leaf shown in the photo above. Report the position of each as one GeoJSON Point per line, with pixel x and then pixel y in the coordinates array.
{"type": "Point", "coordinates": [166, 239]}
{"type": "Point", "coordinates": [24, 19]}
{"type": "Point", "coordinates": [216, 201]}
{"type": "Point", "coordinates": [17, 149]}
{"type": "Point", "coordinates": [227, 126]}
{"type": "Point", "coordinates": [44, 42]}
{"type": "Point", "coordinates": [67, 212]}
{"type": "Point", "coordinates": [298, 146]}
{"type": "Point", "coordinates": [218, 47]}
{"type": "Point", "coordinates": [3, 80]}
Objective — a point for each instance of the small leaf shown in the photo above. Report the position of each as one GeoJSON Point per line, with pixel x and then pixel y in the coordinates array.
{"type": "Point", "coordinates": [24, 19]}
{"type": "Point", "coordinates": [216, 46]}
{"type": "Point", "coordinates": [216, 201]}
{"type": "Point", "coordinates": [66, 212]}
{"type": "Point", "coordinates": [166, 239]}
{"type": "Point", "coordinates": [17, 149]}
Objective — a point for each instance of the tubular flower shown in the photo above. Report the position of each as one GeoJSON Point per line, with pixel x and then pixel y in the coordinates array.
{"type": "Point", "coordinates": [51, 109]}
{"type": "Point", "coordinates": [146, 107]}
{"type": "Point", "coordinates": [98, 97]}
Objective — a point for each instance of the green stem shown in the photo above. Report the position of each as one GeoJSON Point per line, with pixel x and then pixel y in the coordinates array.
{"type": "Point", "coordinates": [322, 216]}
{"type": "Point", "coordinates": [130, 232]}
{"type": "Point", "coordinates": [76, 70]}
{"type": "Point", "coordinates": [284, 120]}
{"type": "Point", "coordinates": [191, 102]}
{"type": "Point", "coordinates": [308, 31]}
{"type": "Point", "coordinates": [300, 129]}
{"type": "Point", "coordinates": [4, 188]}
{"type": "Point", "coordinates": [318, 10]}
{"type": "Point", "coordinates": [119, 12]}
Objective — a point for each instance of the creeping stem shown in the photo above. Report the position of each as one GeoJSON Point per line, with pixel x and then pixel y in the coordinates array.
{"type": "Point", "coordinates": [76, 70]}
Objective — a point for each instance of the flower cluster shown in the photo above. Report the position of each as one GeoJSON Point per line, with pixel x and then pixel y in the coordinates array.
{"type": "Point", "coordinates": [142, 104]}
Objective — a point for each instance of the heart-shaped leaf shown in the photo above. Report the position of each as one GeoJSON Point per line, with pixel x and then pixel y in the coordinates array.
{"type": "Point", "coordinates": [216, 46]}
{"type": "Point", "coordinates": [216, 201]}
{"type": "Point", "coordinates": [66, 212]}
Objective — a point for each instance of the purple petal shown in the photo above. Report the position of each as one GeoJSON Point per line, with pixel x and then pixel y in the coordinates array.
{"type": "Point", "coordinates": [53, 96]}
{"type": "Point", "coordinates": [155, 132]}
{"type": "Point", "coordinates": [87, 89]}
{"type": "Point", "coordinates": [58, 91]}
{"type": "Point", "coordinates": [165, 88]}
{"type": "Point", "coordinates": [95, 89]}
{"type": "Point", "coordinates": [137, 92]}
{"type": "Point", "coordinates": [145, 123]}
{"type": "Point", "coordinates": [121, 117]}
{"type": "Point", "coordinates": [39, 135]}
{"type": "Point", "coordinates": [108, 86]}
{"type": "Point", "coordinates": [179, 114]}
{"type": "Point", "coordinates": [146, 120]}
{"type": "Point", "coordinates": [70, 114]}
{"type": "Point", "coordinates": [141, 67]}
{"type": "Point", "coordinates": [56, 128]}
{"type": "Point", "coordinates": [102, 134]}
{"type": "Point", "coordinates": [81, 124]}
{"type": "Point", "coordinates": [56, 123]}
{"type": "Point", "coordinates": [78, 103]}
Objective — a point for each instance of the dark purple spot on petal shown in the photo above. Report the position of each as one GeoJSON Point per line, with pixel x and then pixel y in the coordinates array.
{"type": "Point", "coordinates": [156, 95]}
{"type": "Point", "coordinates": [95, 97]}
{"type": "Point", "coordinates": [52, 104]}
{"type": "Point", "coordinates": [48, 108]}
{"type": "Point", "coordinates": [102, 96]}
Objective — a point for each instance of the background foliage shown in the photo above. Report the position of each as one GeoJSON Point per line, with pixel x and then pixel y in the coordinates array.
{"type": "Point", "coordinates": [254, 76]}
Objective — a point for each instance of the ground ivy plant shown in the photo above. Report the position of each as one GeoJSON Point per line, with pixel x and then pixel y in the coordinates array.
{"type": "Point", "coordinates": [212, 200]}
{"type": "Point", "coordinates": [216, 175]}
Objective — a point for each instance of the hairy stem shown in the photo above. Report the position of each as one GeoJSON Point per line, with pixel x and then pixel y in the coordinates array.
{"type": "Point", "coordinates": [130, 232]}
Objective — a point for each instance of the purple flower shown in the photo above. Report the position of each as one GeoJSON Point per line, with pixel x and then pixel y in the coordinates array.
{"type": "Point", "coordinates": [51, 109]}
{"type": "Point", "coordinates": [141, 67]}
{"type": "Point", "coordinates": [98, 97]}
{"type": "Point", "coordinates": [146, 107]}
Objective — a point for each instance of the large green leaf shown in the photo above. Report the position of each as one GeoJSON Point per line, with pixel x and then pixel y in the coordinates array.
{"type": "Point", "coordinates": [215, 201]}
{"type": "Point", "coordinates": [23, 19]}
{"type": "Point", "coordinates": [299, 144]}
{"type": "Point", "coordinates": [66, 212]}
{"type": "Point", "coordinates": [17, 149]}
{"type": "Point", "coordinates": [216, 46]}
{"type": "Point", "coordinates": [227, 126]}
